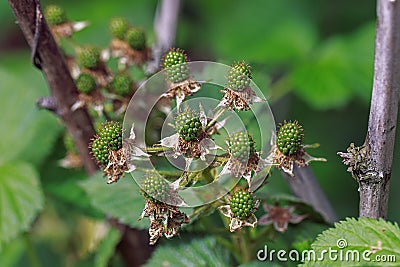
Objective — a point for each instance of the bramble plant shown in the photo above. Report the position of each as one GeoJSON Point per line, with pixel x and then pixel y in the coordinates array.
{"type": "Point", "coordinates": [187, 152]}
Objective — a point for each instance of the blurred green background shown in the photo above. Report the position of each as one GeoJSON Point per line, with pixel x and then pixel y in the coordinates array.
{"type": "Point", "coordinates": [314, 59]}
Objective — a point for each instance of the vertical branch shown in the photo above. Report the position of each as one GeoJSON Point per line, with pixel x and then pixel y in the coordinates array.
{"type": "Point", "coordinates": [371, 163]}
{"type": "Point", "coordinates": [374, 192]}
{"type": "Point", "coordinates": [165, 24]}
{"type": "Point", "coordinates": [48, 57]}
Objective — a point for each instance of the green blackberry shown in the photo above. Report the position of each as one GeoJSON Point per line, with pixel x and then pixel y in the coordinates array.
{"type": "Point", "coordinates": [89, 57]}
{"type": "Point", "coordinates": [155, 187]}
{"type": "Point", "coordinates": [85, 83]}
{"type": "Point", "coordinates": [242, 204]}
{"type": "Point", "coordinates": [122, 84]}
{"type": "Point", "coordinates": [175, 65]}
{"type": "Point", "coordinates": [100, 150]}
{"type": "Point", "coordinates": [188, 125]}
{"type": "Point", "coordinates": [136, 38]}
{"type": "Point", "coordinates": [118, 27]}
{"type": "Point", "coordinates": [290, 138]}
{"type": "Point", "coordinates": [239, 76]}
{"type": "Point", "coordinates": [55, 15]}
{"type": "Point", "coordinates": [241, 146]}
{"type": "Point", "coordinates": [111, 133]}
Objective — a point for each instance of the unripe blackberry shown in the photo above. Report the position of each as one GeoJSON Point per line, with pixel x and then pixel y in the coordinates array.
{"type": "Point", "coordinates": [85, 83]}
{"type": "Point", "coordinates": [242, 204]}
{"type": "Point", "coordinates": [111, 133]}
{"type": "Point", "coordinates": [290, 138]}
{"type": "Point", "coordinates": [136, 38]}
{"type": "Point", "coordinates": [55, 15]}
{"type": "Point", "coordinates": [239, 76]}
{"type": "Point", "coordinates": [175, 65]}
{"type": "Point", "coordinates": [118, 27]}
{"type": "Point", "coordinates": [241, 146]}
{"type": "Point", "coordinates": [122, 84]}
{"type": "Point", "coordinates": [155, 187]}
{"type": "Point", "coordinates": [100, 150]}
{"type": "Point", "coordinates": [188, 125]}
{"type": "Point", "coordinates": [89, 57]}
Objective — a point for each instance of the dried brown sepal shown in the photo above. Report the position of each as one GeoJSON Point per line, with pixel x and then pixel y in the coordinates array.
{"type": "Point", "coordinates": [116, 167]}
{"type": "Point", "coordinates": [127, 54]}
{"type": "Point", "coordinates": [164, 220]}
{"type": "Point", "coordinates": [239, 100]}
{"type": "Point", "coordinates": [191, 148]}
{"type": "Point", "coordinates": [239, 169]}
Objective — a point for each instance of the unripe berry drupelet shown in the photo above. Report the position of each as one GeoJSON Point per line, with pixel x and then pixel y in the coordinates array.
{"type": "Point", "coordinates": [136, 38]}
{"type": "Point", "coordinates": [188, 125]}
{"type": "Point", "coordinates": [122, 84]}
{"type": "Point", "coordinates": [242, 204]}
{"type": "Point", "coordinates": [85, 83]}
{"type": "Point", "coordinates": [239, 76]}
{"type": "Point", "coordinates": [241, 146]}
{"type": "Point", "coordinates": [100, 150]}
{"type": "Point", "coordinates": [175, 65]}
{"type": "Point", "coordinates": [155, 187]}
{"type": "Point", "coordinates": [111, 133]}
{"type": "Point", "coordinates": [55, 15]}
{"type": "Point", "coordinates": [290, 138]}
{"type": "Point", "coordinates": [118, 27]}
{"type": "Point", "coordinates": [89, 57]}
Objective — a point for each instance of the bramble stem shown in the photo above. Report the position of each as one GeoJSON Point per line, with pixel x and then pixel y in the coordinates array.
{"type": "Point", "coordinates": [216, 117]}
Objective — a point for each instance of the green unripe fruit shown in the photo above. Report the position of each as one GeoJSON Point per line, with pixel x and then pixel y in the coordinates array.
{"type": "Point", "coordinates": [89, 57]}
{"type": "Point", "coordinates": [100, 150]}
{"type": "Point", "coordinates": [111, 133]}
{"type": "Point", "coordinates": [155, 187]}
{"type": "Point", "coordinates": [241, 146]}
{"type": "Point", "coordinates": [118, 27]}
{"type": "Point", "coordinates": [122, 84]}
{"type": "Point", "coordinates": [136, 38]}
{"type": "Point", "coordinates": [242, 204]}
{"type": "Point", "coordinates": [239, 76]}
{"type": "Point", "coordinates": [85, 83]}
{"type": "Point", "coordinates": [55, 15]}
{"type": "Point", "coordinates": [69, 143]}
{"type": "Point", "coordinates": [188, 125]}
{"type": "Point", "coordinates": [290, 138]}
{"type": "Point", "coordinates": [175, 65]}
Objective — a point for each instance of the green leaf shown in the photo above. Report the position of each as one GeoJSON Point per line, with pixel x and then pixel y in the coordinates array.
{"type": "Point", "coordinates": [21, 199]}
{"type": "Point", "coordinates": [196, 252]}
{"type": "Point", "coordinates": [107, 247]}
{"type": "Point", "coordinates": [121, 200]}
{"type": "Point", "coordinates": [261, 264]}
{"type": "Point", "coordinates": [372, 240]}
{"type": "Point", "coordinates": [30, 132]}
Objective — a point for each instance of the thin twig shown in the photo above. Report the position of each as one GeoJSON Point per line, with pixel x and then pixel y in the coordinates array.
{"type": "Point", "coordinates": [305, 186]}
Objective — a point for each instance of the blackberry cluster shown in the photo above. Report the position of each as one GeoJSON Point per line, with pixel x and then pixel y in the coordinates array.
{"type": "Point", "coordinates": [290, 138]}
{"type": "Point", "coordinates": [89, 57]}
{"type": "Point", "coordinates": [109, 138]}
{"type": "Point", "coordinates": [100, 150]}
{"type": "Point", "coordinates": [175, 65]}
{"type": "Point", "coordinates": [136, 38]}
{"type": "Point", "coordinates": [155, 187]}
{"type": "Point", "coordinates": [118, 28]}
{"type": "Point", "coordinates": [188, 125]}
{"type": "Point", "coordinates": [85, 83]}
{"type": "Point", "coordinates": [112, 134]}
{"type": "Point", "coordinates": [242, 204]}
{"type": "Point", "coordinates": [55, 15]}
{"type": "Point", "coordinates": [122, 84]}
{"type": "Point", "coordinates": [239, 76]}
{"type": "Point", "coordinates": [241, 146]}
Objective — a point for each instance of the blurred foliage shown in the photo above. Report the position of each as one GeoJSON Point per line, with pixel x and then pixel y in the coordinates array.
{"type": "Point", "coordinates": [313, 58]}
